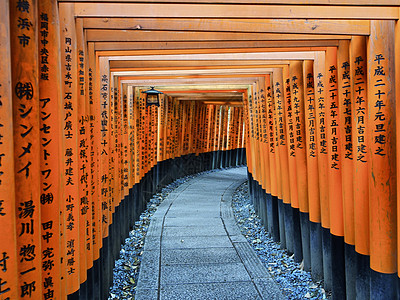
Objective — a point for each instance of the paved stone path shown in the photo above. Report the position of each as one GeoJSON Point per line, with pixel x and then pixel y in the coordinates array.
{"type": "Point", "coordinates": [194, 249]}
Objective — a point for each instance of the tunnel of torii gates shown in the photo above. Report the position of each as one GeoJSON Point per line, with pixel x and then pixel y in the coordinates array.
{"type": "Point", "coordinates": [303, 93]}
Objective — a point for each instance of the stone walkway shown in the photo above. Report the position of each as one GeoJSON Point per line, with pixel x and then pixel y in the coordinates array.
{"type": "Point", "coordinates": [194, 250]}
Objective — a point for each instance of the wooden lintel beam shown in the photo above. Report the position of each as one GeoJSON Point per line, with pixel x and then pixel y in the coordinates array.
{"type": "Point", "coordinates": [199, 77]}
{"type": "Point", "coordinates": [231, 45]}
{"type": "Point", "coordinates": [205, 90]}
{"type": "Point", "coordinates": [118, 35]}
{"type": "Point", "coordinates": [185, 65]}
{"type": "Point", "coordinates": [235, 11]}
{"type": "Point", "coordinates": [275, 65]}
{"type": "Point", "coordinates": [190, 81]}
{"type": "Point", "coordinates": [196, 73]}
{"type": "Point", "coordinates": [126, 53]}
{"type": "Point", "coordinates": [347, 27]}
{"type": "Point", "coordinates": [266, 2]}
{"type": "Point", "coordinates": [266, 56]}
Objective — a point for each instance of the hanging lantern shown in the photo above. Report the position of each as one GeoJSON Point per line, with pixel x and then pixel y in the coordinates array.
{"type": "Point", "coordinates": [152, 97]}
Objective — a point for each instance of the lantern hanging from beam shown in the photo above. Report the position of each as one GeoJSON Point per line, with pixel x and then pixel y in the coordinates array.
{"type": "Point", "coordinates": [152, 97]}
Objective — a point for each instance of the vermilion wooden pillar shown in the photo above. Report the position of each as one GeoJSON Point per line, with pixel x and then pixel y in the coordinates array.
{"type": "Point", "coordinates": [290, 131]}
{"type": "Point", "coordinates": [300, 224]}
{"type": "Point", "coordinates": [70, 150]}
{"type": "Point", "coordinates": [297, 101]}
{"type": "Point", "coordinates": [345, 118]}
{"type": "Point", "coordinates": [320, 88]}
{"type": "Point", "coordinates": [310, 121]}
{"type": "Point", "coordinates": [382, 155]}
{"type": "Point", "coordinates": [8, 244]}
{"type": "Point", "coordinates": [52, 168]}
{"type": "Point", "coordinates": [397, 75]}
{"type": "Point", "coordinates": [105, 119]}
{"type": "Point", "coordinates": [279, 90]}
{"type": "Point", "coordinates": [358, 68]}
{"type": "Point", "coordinates": [311, 142]}
{"type": "Point", "coordinates": [83, 153]}
{"type": "Point", "coordinates": [290, 139]}
{"type": "Point", "coordinates": [25, 98]}
{"type": "Point", "coordinates": [95, 138]}
{"type": "Point", "coordinates": [282, 148]}
{"type": "Point", "coordinates": [334, 173]}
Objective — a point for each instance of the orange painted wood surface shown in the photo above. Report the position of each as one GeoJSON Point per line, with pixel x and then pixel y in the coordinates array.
{"type": "Point", "coordinates": [382, 137]}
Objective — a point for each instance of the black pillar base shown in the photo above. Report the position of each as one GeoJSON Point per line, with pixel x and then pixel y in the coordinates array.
{"type": "Point", "coordinates": [317, 269]}
{"type": "Point", "coordinates": [282, 233]}
{"type": "Point", "coordinates": [383, 286]}
{"type": "Point", "coordinates": [305, 240]}
{"type": "Point", "coordinates": [298, 250]}
{"type": "Point", "coordinates": [327, 258]}
{"type": "Point", "coordinates": [289, 233]}
{"type": "Point", "coordinates": [351, 271]}
{"type": "Point", "coordinates": [363, 277]}
{"type": "Point", "coordinates": [338, 268]}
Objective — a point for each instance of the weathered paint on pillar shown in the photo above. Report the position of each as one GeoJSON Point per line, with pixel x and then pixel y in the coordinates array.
{"type": "Point", "coordinates": [25, 99]}
{"type": "Point", "coordinates": [8, 243]}
{"type": "Point", "coordinates": [311, 142]}
{"type": "Point", "coordinates": [382, 154]}
{"type": "Point", "coordinates": [51, 197]}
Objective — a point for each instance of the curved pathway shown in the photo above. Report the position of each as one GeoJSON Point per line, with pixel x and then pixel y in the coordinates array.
{"type": "Point", "coordinates": [194, 250]}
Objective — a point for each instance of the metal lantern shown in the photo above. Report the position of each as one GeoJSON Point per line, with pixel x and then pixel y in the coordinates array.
{"type": "Point", "coordinates": [153, 97]}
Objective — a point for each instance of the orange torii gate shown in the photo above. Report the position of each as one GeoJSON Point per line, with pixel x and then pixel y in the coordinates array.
{"type": "Point", "coordinates": [81, 152]}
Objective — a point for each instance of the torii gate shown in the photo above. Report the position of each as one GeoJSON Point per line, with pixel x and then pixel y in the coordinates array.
{"type": "Point", "coordinates": [316, 84]}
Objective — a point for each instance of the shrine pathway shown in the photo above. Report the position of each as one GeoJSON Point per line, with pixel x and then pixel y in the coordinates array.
{"type": "Point", "coordinates": [194, 249]}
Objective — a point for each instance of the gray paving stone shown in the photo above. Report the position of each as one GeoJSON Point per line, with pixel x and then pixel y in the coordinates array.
{"type": "Point", "coordinates": [251, 261]}
{"type": "Point", "coordinates": [146, 294]}
{"type": "Point", "coordinates": [179, 274]}
{"type": "Point", "coordinates": [152, 243]}
{"type": "Point", "coordinates": [215, 291]}
{"type": "Point", "coordinates": [197, 221]}
{"type": "Point", "coordinates": [192, 214]}
{"type": "Point", "coordinates": [194, 231]}
{"type": "Point", "coordinates": [149, 270]}
{"type": "Point", "coordinates": [185, 242]}
{"type": "Point", "coordinates": [199, 256]}
{"type": "Point", "coordinates": [269, 289]}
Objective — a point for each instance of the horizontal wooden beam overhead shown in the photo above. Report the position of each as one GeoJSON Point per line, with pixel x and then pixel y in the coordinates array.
{"type": "Point", "coordinates": [347, 27]}
{"type": "Point", "coordinates": [195, 73]}
{"type": "Point", "coordinates": [218, 11]}
{"type": "Point", "coordinates": [221, 56]}
{"type": "Point", "coordinates": [190, 81]}
{"type": "Point", "coordinates": [109, 35]}
{"type": "Point", "coordinates": [266, 2]}
{"type": "Point", "coordinates": [153, 52]}
{"type": "Point", "coordinates": [111, 46]}
{"type": "Point", "coordinates": [182, 65]}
